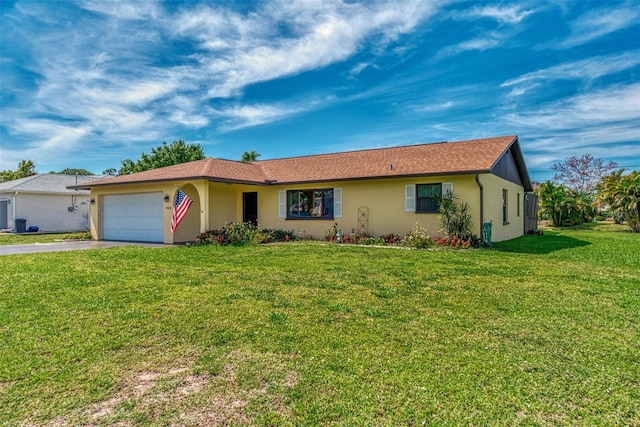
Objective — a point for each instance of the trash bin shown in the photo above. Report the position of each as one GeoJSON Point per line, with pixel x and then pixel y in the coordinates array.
{"type": "Point", "coordinates": [21, 225]}
{"type": "Point", "coordinates": [486, 233]}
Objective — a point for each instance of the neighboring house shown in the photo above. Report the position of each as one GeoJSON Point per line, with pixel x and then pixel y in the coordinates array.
{"type": "Point", "coordinates": [46, 202]}
{"type": "Point", "coordinates": [380, 191]}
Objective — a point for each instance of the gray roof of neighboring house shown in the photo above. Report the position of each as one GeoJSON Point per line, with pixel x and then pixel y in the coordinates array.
{"type": "Point", "coordinates": [48, 184]}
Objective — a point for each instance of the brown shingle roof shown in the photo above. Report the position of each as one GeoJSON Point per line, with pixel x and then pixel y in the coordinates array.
{"type": "Point", "coordinates": [425, 159]}
{"type": "Point", "coordinates": [213, 169]}
{"type": "Point", "coordinates": [472, 156]}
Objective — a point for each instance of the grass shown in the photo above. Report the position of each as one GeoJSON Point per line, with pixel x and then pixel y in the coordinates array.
{"type": "Point", "coordinates": [541, 330]}
{"type": "Point", "coordinates": [30, 238]}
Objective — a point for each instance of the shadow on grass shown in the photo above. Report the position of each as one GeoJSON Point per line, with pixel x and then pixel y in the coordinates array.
{"type": "Point", "coordinates": [547, 243]}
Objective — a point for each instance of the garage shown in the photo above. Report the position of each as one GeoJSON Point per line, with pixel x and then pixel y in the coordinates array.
{"type": "Point", "coordinates": [133, 217]}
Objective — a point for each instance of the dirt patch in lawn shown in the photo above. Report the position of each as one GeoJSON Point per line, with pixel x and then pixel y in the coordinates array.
{"type": "Point", "coordinates": [244, 386]}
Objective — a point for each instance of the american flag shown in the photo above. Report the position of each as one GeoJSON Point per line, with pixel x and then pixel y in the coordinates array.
{"type": "Point", "coordinates": [180, 207]}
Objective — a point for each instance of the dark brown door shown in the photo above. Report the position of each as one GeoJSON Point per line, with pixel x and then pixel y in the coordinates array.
{"type": "Point", "coordinates": [250, 207]}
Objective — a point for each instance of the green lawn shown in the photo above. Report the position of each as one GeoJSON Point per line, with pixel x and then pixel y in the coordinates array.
{"type": "Point", "coordinates": [542, 330]}
{"type": "Point", "coordinates": [30, 238]}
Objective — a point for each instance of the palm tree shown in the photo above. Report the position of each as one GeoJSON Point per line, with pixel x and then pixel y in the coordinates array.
{"type": "Point", "coordinates": [622, 194]}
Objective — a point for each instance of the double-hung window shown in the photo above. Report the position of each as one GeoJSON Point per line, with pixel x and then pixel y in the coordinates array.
{"type": "Point", "coordinates": [425, 198]}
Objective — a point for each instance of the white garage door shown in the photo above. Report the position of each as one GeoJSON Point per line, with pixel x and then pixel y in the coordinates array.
{"type": "Point", "coordinates": [132, 217]}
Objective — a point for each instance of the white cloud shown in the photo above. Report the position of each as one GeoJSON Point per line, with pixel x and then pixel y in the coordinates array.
{"type": "Point", "coordinates": [242, 116]}
{"type": "Point", "coordinates": [100, 75]}
{"type": "Point", "coordinates": [357, 69]}
{"type": "Point", "coordinates": [427, 108]}
{"type": "Point", "coordinates": [590, 68]}
{"type": "Point", "coordinates": [505, 15]}
{"type": "Point", "coordinates": [587, 111]}
{"type": "Point", "coordinates": [600, 22]}
{"type": "Point", "coordinates": [243, 50]}
{"type": "Point", "coordinates": [491, 41]}
{"type": "Point", "coordinates": [48, 139]}
{"type": "Point", "coordinates": [124, 9]}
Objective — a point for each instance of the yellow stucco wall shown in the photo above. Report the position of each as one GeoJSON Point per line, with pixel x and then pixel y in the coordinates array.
{"type": "Point", "coordinates": [493, 187]}
{"type": "Point", "coordinates": [216, 203]}
{"type": "Point", "coordinates": [223, 203]}
{"type": "Point", "coordinates": [384, 198]}
{"type": "Point", "coordinates": [189, 225]}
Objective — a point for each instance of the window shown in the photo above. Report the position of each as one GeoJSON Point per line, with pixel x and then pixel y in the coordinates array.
{"type": "Point", "coordinates": [518, 204]}
{"type": "Point", "coordinates": [427, 196]}
{"type": "Point", "coordinates": [505, 207]}
{"type": "Point", "coordinates": [310, 204]}
{"type": "Point", "coordinates": [423, 198]}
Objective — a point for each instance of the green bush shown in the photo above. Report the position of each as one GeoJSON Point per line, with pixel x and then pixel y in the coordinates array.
{"type": "Point", "coordinates": [418, 238]}
{"type": "Point", "coordinates": [280, 235]}
{"type": "Point", "coordinates": [455, 218]}
{"type": "Point", "coordinates": [235, 233]}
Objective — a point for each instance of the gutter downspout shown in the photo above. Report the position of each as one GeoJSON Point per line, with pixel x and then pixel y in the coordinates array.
{"type": "Point", "coordinates": [481, 203]}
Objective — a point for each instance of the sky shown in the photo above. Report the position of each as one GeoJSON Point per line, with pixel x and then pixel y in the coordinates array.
{"type": "Point", "coordinates": [86, 84]}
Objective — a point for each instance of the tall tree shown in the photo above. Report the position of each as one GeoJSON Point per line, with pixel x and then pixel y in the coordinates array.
{"type": "Point", "coordinates": [164, 155]}
{"type": "Point", "coordinates": [73, 171]}
{"type": "Point", "coordinates": [582, 174]}
{"type": "Point", "coordinates": [249, 156]}
{"type": "Point", "coordinates": [25, 168]}
{"type": "Point", "coordinates": [110, 171]}
{"type": "Point", "coordinates": [562, 205]}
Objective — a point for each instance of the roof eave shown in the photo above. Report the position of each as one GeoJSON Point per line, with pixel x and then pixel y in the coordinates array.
{"type": "Point", "coordinates": [182, 178]}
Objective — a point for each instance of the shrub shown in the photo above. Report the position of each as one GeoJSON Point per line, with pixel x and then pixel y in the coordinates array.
{"type": "Point", "coordinates": [234, 233]}
{"type": "Point", "coordinates": [459, 243]}
{"type": "Point", "coordinates": [333, 233]}
{"type": "Point", "coordinates": [418, 238]}
{"type": "Point", "coordinates": [210, 237]}
{"type": "Point", "coordinates": [391, 239]}
{"type": "Point", "coordinates": [280, 235]}
{"type": "Point", "coordinates": [358, 237]}
{"type": "Point", "coordinates": [454, 217]}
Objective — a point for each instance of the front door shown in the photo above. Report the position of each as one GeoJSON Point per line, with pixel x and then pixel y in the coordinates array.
{"type": "Point", "coordinates": [250, 207]}
{"type": "Point", "coordinates": [4, 214]}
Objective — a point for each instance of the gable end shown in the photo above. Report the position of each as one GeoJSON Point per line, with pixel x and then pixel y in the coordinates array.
{"type": "Point", "coordinates": [511, 167]}
{"type": "Point", "coordinates": [506, 168]}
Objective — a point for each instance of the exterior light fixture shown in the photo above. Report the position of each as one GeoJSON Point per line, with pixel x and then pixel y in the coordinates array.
{"type": "Point", "coordinates": [167, 198]}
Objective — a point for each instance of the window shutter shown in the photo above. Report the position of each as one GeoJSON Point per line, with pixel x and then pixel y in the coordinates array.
{"type": "Point", "coordinates": [282, 204]}
{"type": "Point", "coordinates": [447, 187]}
{"type": "Point", "coordinates": [337, 202]}
{"type": "Point", "coordinates": [410, 198]}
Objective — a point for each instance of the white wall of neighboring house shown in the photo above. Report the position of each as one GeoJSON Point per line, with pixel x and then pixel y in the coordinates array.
{"type": "Point", "coordinates": [48, 212]}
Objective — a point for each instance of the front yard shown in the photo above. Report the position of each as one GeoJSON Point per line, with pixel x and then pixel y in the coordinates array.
{"type": "Point", "coordinates": [542, 330]}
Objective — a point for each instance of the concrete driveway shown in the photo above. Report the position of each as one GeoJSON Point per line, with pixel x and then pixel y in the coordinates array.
{"type": "Point", "coordinates": [69, 246]}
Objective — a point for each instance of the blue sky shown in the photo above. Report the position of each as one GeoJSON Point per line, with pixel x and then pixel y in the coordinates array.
{"type": "Point", "coordinates": [86, 84]}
